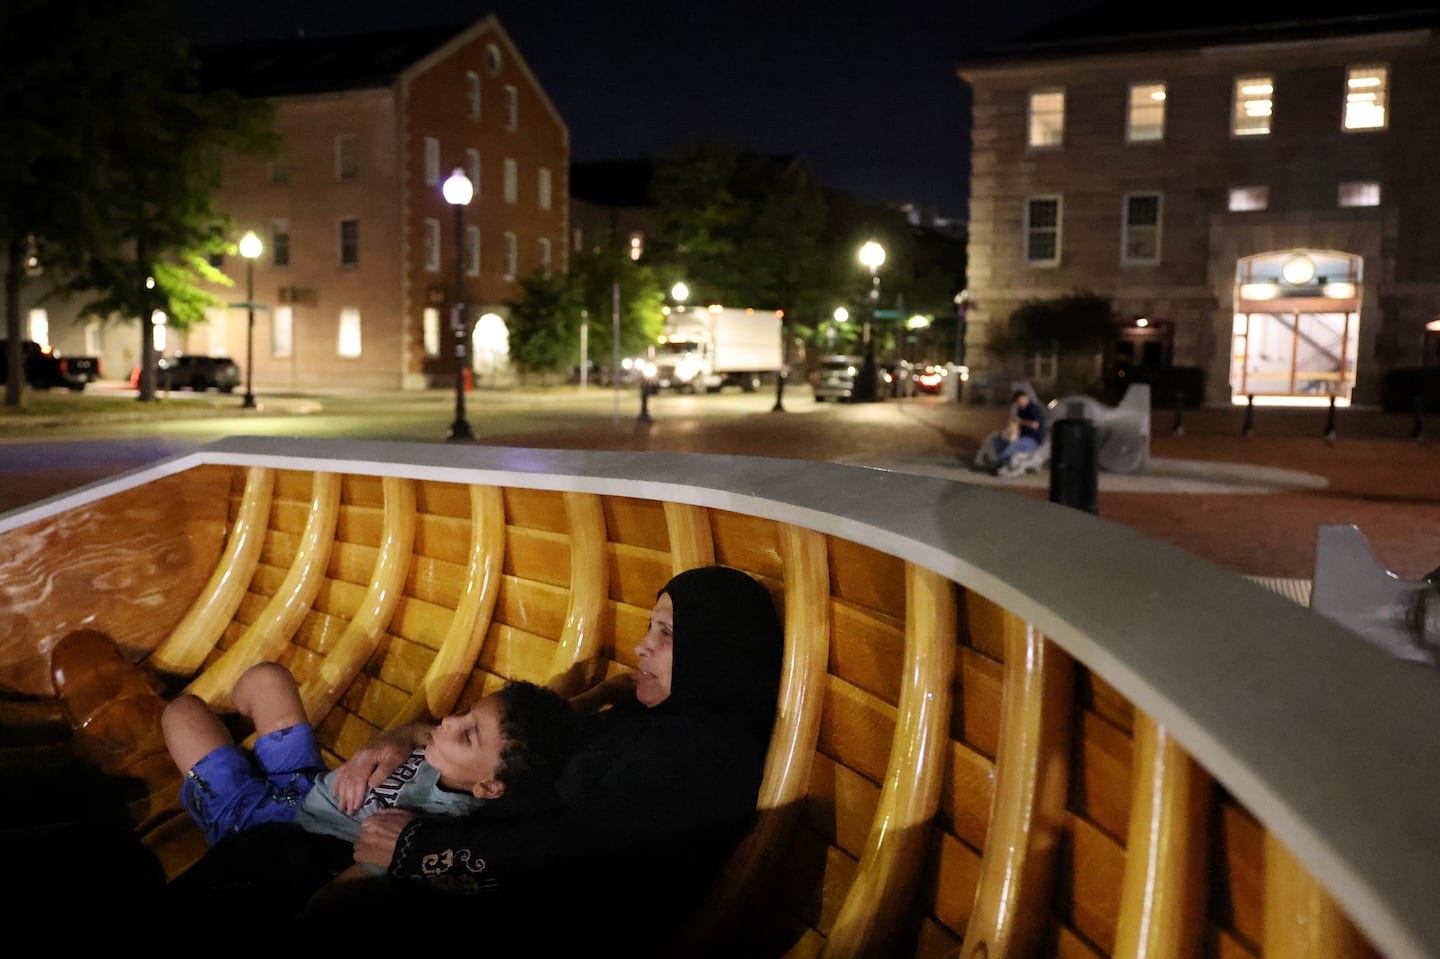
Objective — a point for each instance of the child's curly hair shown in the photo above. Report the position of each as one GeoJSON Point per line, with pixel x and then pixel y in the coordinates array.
{"type": "Point", "coordinates": [539, 728]}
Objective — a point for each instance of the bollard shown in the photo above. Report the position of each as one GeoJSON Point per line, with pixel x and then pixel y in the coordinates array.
{"type": "Point", "coordinates": [645, 386]}
{"type": "Point", "coordinates": [1179, 413]}
{"type": "Point", "coordinates": [1330, 423]}
{"type": "Point", "coordinates": [1417, 432]}
{"type": "Point", "coordinates": [1075, 464]}
{"type": "Point", "coordinates": [1249, 426]}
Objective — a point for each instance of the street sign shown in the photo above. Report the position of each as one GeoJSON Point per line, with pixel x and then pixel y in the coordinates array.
{"type": "Point", "coordinates": [889, 315]}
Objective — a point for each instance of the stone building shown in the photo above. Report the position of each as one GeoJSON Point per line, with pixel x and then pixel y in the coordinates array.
{"type": "Point", "coordinates": [1257, 199]}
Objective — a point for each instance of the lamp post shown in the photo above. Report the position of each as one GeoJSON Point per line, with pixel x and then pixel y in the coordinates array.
{"type": "Point", "coordinates": [872, 254]}
{"type": "Point", "coordinates": [840, 316]}
{"type": "Point", "coordinates": [784, 372]}
{"type": "Point", "coordinates": [250, 247]}
{"type": "Point", "coordinates": [457, 191]}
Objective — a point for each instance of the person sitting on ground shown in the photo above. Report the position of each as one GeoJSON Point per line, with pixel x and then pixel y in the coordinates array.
{"type": "Point", "coordinates": [1027, 419]}
{"type": "Point", "coordinates": [659, 791]}
{"type": "Point", "coordinates": [510, 743]}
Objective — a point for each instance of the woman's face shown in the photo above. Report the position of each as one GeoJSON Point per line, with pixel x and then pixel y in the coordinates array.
{"type": "Point", "coordinates": [656, 653]}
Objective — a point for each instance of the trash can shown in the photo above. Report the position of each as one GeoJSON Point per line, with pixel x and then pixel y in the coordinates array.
{"type": "Point", "coordinates": [1075, 464]}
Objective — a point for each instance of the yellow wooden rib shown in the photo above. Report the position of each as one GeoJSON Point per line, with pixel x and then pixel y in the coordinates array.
{"type": "Point", "coordinates": [1027, 811]}
{"type": "Point", "coordinates": [267, 636]}
{"type": "Point", "coordinates": [692, 543]}
{"type": "Point", "coordinates": [797, 725]}
{"type": "Point", "coordinates": [1302, 921]}
{"type": "Point", "coordinates": [1162, 901]}
{"type": "Point", "coordinates": [362, 635]}
{"type": "Point", "coordinates": [435, 697]}
{"type": "Point", "coordinates": [576, 665]}
{"type": "Point", "coordinates": [894, 851]}
{"type": "Point", "coordinates": [195, 636]}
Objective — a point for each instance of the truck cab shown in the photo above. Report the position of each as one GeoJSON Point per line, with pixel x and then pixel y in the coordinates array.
{"type": "Point", "coordinates": [713, 347]}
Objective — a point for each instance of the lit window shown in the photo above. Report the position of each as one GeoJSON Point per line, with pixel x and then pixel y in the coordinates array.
{"type": "Point", "coordinates": [1365, 94]}
{"type": "Point", "coordinates": [1365, 193]}
{"type": "Point", "coordinates": [1141, 240]}
{"type": "Point", "coordinates": [282, 331]}
{"type": "Point", "coordinates": [545, 254]}
{"type": "Point", "coordinates": [432, 245]}
{"type": "Point", "coordinates": [512, 253]}
{"type": "Point", "coordinates": [1254, 104]}
{"type": "Point", "coordinates": [279, 242]}
{"type": "Point", "coordinates": [39, 324]}
{"type": "Point", "coordinates": [1047, 118]}
{"type": "Point", "coordinates": [1145, 120]}
{"type": "Point", "coordinates": [637, 245]}
{"type": "Point", "coordinates": [472, 94]}
{"type": "Point", "coordinates": [472, 169]}
{"type": "Point", "coordinates": [94, 339]}
{"type": "Point", "coordinates": [430, 330]}
{"type": "Point", "coordinates": [432, 161]}
{"type": "Point", "coordinates": [512, 181]}
{"type": "Point", "coordinates": [1042, 231]}
{"type": "Point", "coordinates": [472, 250]}
{"type": "Point", "coordinates": [346, 160]}
{"type": "Point", "coordinates": [349, 242]}
{"type": "Point", "coordinates": [492, 59]}
{"type": "Point", "coordinates": [544, 187]}
{"type": "Point", "coordinates": [1244, 199]}
{"type": "Point", "coordinates": [348, 343]}
{"type": "Point", "coordinates": [512, 108]}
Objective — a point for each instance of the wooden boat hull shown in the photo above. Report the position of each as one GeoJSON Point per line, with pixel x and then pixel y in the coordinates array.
{"type": "Point", "coordinates": [1006, 728]}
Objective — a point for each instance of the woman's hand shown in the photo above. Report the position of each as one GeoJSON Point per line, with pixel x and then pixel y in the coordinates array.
{"type": "Point", "coordinates": [617, 689]}
{"type": "Point", "coordinates": [379, 834]}
{"type": "Point", "coordinates": [370, 766]}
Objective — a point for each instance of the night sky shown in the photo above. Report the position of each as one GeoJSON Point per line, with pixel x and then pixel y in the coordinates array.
{"type": "Point", "coordinates": [865, 92]}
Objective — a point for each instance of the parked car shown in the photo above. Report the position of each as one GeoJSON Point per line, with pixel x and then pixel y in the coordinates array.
{"type": "Point", "coordinates": [931, 379]}
{"type": "Point", "coordinates": [193, 372]}
{"type": "Point", "coordinates": [835, 378]}
{"type": "Point", "coordinates": [45, 368]}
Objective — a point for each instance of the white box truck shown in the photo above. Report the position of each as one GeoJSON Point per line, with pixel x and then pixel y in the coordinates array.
{"type": "Point", "coordinates": [710, 347]}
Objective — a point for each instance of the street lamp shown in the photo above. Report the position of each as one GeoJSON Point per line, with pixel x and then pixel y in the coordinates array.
{"type": "Point", "coordinates": [250, 247]}
{"type": "Point", "coordinates": [457, 191]}
{"type": "Point", "coordinates": [680, 292]}
{"type": "Point", "coordinates": [872, 254]}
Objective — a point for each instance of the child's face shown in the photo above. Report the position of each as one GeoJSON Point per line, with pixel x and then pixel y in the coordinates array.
{"type": "Point", "coordinates": [656, 652]}
{"type": "Point", "coordinates": [466, 749]}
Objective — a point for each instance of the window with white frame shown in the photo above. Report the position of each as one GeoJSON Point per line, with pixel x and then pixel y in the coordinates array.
{"type": "Point", "coordinates": [1254, 106]}
{"type": "Point", "coordinates": [38, 323]}
{"type": "Point", "coordinates": [544, 187]}
{"type": "Point", "coordinates": [512, 254]}
{"type": "Point", "coordinates": [432, 245]}
{"type": "Point", "coordinates": [512, 181]}
{"type": "Point", "coordinates": [492, 59]}
{"type": "Point", "coordinates": [1145, 119]}
{"type": "Point", "coordinates": [1140, 242]}
{"type": "Point", "coordinates": [282, 332]}
{"type": "Point", "coordinates": [472, 169]}
{"type": "Point", "coordinates": [512, 107]}
{"type": "Point", "coordinates": [472, 251]}
{"type": "Point", "coordinates": [350, 242]}
{"type": "Point", "coordinates": [432, 161]}
{"type": "Point", "coordinates": [347, 342]}
{"type": "Point", "coordinates": [347, 159]}
{"type": "Point", "coordinates": [279, 242]}
{"type": "Point", "coordinates": [1042, 367]}
{"type": "Point", "coordinates": [430, 330]}
{"type": "Point", "coordinates": [1042, 231]}
{"type": "Point", "coordinates": [1047, 118]}
{"type": "Point", "coordinates": [472, 94]}
{"type": "Point", "coordinates": [545, 254]}
{"type": "Point", "coordinates": [94, 339]}
{"type": "Point", "coordinates": [1366, 89]}
{"type": "Point", "coordinates": [1359, 193]}
{"type": "Point", "coordinates": [1246, 199]}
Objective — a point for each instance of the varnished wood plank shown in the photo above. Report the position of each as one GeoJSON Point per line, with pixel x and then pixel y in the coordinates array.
{"type": "Point", "coordinates": [1238, 858]}
{"type": "Point", "coordinates": [956, 877]}
{"type": "Point", "coordinates": [1092, 875]}
{"type": "Point", "coordinates": [975, 720]}
{"type": "Point", "coordinates": [1028, 813]}
{"type": "Point", "coordinates": [535, 508]}
{"type": "Point", "coordinates": [1100, 788]}
{"type": "Point", "coordinates": [688, 536]}
{"type": "Point", "coordinates": [867, 578]}
{"type": "Point", "coordinates": [747, 542]}
{"type": "Point", "coordinates": [641, 523]}
{"type": "Point", "coordinates": [538, 555]}
{"type": "Point", "coordinates": [577, 662]}
{"type": "Point", "coordinates": [637, 574]}
{"type": "Point", "coordinates": [1302, 921]}
{"type": "Point", "coordinates": [966, 797]}
{"type": "Point", "coordinates": [856, 729]}
{"type": "Point", "coordinates": [863, 646]}
{"type": "Point", "coordinates": [889, 870]}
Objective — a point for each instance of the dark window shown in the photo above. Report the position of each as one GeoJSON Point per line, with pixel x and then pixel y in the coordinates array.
{"type": "Point", "coordinates": [349, 242]}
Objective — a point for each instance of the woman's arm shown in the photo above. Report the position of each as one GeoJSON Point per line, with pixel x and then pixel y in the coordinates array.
{"type": "Point", "coordinates": [615, 690]}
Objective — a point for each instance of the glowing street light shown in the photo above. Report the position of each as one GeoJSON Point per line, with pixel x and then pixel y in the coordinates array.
{"type": "Point", "coordinates": [250, 248]}
{"type": "Point", "coordinates": [872, 255]}
{"type": "Point", "coordinates": [458, 190]}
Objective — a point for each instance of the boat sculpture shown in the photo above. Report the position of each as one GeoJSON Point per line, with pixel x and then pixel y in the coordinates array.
{"type": "Point", "coordinates": [1006, 728]}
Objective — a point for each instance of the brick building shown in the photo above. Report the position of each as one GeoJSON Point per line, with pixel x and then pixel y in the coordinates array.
{"type": "Point", "coordinates": [1258, 200]}
{"type": "Point", "coordinates": [357, 277]}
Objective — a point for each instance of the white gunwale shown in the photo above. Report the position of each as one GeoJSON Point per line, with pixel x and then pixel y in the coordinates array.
{"type": "Point", "coordinates": [1323, 737]}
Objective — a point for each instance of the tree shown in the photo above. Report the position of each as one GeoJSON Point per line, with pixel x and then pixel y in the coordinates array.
{"type": "Point", "coordinates": [544, 323]}
{"type": "Point", "coordinates": [111, 162]}
{"type": "Point", "coordinates": [1076, 328]}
